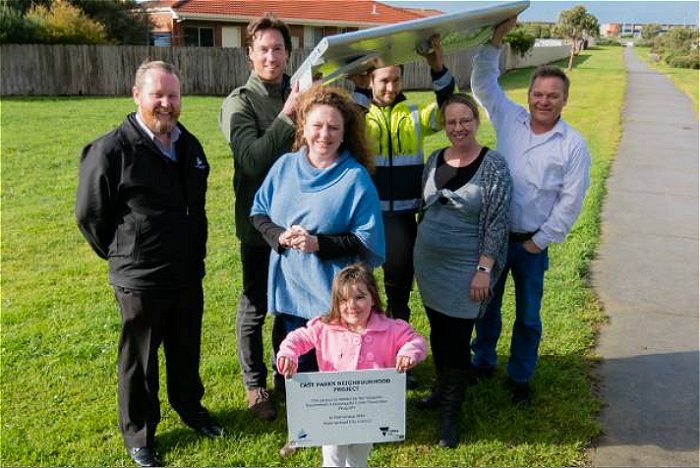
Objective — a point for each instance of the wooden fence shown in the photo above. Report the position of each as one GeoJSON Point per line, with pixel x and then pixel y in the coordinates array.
{"type": "Point", "coordinates": [72, 70]}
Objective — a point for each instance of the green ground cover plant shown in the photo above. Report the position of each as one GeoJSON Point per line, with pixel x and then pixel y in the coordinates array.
{"type": "Point", "coordinates": [686, 79]}
{"type": "Point", "coordinates": [60, 323]}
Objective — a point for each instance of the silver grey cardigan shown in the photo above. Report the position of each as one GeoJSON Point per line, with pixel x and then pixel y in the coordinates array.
{"type": "Point", "coordinates": [494, 218]}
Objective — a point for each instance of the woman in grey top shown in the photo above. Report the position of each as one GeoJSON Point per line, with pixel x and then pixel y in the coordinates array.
{"type": "Point", "coordinates": [461, 245]}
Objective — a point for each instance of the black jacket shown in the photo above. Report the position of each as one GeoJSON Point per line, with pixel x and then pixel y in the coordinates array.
{"type": "Point", "coordinates": [143, 212]}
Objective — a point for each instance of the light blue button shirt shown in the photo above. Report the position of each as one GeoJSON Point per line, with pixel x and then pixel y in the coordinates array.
{"type": "Point", "coordinates": [174, 135]}
{"type": "Point", "coordinates": [549, 171]}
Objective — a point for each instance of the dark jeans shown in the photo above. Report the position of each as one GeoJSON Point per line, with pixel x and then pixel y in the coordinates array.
{"type": "Point", "coordinates": [400, 231]}
{"type": "Point", "coordinates": [282, 325]}
{"type": "Point", "coordinates": [250, 318]}
{"type": "Point", "coordinates": [449, 340]}
{"type": "Point", "coordinates": [150, 318]}
{"type": "Point", "coordinates": [528, 277]}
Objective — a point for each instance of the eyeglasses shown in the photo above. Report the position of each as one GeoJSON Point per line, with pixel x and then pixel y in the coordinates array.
{"type": "Point", "coordinates": [462, 122]}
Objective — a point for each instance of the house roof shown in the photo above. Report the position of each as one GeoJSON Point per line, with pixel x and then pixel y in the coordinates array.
{"type": "Point", "coordinates": [424, 12]}
{"type": "Point", "coordinates": [360, 13]}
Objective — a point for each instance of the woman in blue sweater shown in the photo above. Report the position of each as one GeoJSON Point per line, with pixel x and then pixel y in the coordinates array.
{"type": "Point", "coordinates": [319, 212]}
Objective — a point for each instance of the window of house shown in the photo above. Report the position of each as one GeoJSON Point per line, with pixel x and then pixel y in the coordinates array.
{"type": "Point", "coordinates": [160, 39]}
{"type": "Point", "coordinates": [199, 37]}
{"type": "Point", "coordinates": [318, 35]}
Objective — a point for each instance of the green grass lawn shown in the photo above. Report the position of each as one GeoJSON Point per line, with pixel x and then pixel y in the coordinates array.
{"type": "Point", "coordinates": [687, 80]}
{"type": "Point", "coordinates": [60, 323]}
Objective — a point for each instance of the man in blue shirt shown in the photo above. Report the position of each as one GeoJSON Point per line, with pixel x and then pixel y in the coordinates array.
{"type": "Point", "coordinates": [549, 162]}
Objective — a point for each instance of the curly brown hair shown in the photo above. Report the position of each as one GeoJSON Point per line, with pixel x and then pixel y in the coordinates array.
{"type": "Point", "coordinates": [357, 273]}
{"type": "Point", "coordinates": [354, 136]}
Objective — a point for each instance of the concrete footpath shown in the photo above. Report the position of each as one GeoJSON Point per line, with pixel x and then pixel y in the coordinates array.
{"type": "Point", "coordinates": [646, 275]}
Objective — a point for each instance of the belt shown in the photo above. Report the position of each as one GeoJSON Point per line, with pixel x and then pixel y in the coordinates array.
{"type": "Point", "coordinates": [520, 236]}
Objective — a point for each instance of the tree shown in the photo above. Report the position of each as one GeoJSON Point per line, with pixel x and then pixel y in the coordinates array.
{"type": "Point", "coordinates": [23, 6]}
{"type": "Point", "coordinates": [14, 28]}
{"type": "Point", "coordinates": [649, 31]}
{"type": "Point", "coordinates": [25, 21]}
{"type": "Point", "coordinates": [539, 30]}
{"type": "Point", "coordinates": [574, 24]}
{"type": "Point", "coordinates": [65, 24]}
{"type": "Point", "coordinates": [520, 40]}
{"type": "Point", "coordinates": [125, 21]}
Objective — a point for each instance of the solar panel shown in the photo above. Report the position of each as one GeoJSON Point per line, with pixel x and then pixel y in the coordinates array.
{"type": "Point", "coordinates": [338, 56]}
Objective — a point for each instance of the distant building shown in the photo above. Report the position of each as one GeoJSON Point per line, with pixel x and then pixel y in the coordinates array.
{"type": "Point", "coordinates": [635, 29]}
{"type": "Point", "coordinates": [222, 23]}
{"type": "Point", "coordinates": [610, 29]}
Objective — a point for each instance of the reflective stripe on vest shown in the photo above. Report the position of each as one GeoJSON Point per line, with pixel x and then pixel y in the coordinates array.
{"type": "Point", "coordinates": [415, 115]}
{"type": "Point", "coordinates": [401, 205]}
{"type": "Point", "coordinates": [399, 160]}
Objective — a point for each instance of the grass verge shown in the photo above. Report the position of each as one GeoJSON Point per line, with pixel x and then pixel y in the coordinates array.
{"type": "Point", "coordinates": [686, 79]}
{"type": "Point", "coordinates": [60, 323]}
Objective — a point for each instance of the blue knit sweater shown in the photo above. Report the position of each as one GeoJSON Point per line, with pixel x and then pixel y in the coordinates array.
{"type": "Point", "coordinates": [336, 200]}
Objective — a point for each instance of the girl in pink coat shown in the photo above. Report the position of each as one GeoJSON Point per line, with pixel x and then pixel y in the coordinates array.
{"type": "Point", "coordinates": [354, 335]}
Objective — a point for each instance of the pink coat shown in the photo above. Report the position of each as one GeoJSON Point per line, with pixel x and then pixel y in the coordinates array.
{"type": "Point", "coordinates": [339, 349]}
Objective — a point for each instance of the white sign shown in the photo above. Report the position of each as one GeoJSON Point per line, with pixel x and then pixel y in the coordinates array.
{"type": "Point", "coordinates": [327, 408]}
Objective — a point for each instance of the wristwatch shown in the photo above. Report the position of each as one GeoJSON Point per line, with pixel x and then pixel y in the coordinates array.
{"type": "Point", "coordinates": [483, 269]}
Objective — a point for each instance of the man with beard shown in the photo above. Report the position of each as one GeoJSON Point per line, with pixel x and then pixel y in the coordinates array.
{"type": "Point", "coordinates": [140, 205]}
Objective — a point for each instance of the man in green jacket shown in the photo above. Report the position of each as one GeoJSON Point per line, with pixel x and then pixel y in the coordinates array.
{"type": "Point", "coordinates": [258, 121]}
{"type": "Point", "coordinates": [396, 129]}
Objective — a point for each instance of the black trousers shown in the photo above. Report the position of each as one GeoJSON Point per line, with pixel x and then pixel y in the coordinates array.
{"type": "Point", "coordinates": [250, 318]}
{"type": "Point", "coordinates": [149, 318]}
{"type": "Point", "coordinates": [449, 340]}
{"type": "Point", "coordinates": [400, 232]}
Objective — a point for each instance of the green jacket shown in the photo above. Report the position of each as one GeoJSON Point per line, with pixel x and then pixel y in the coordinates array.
{"type": "Point", "coordinates": [258, 133]}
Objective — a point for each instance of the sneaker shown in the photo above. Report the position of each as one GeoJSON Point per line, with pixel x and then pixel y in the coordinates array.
{"type": "Point", "coordinates": [520, 393]}
{"type": "Point", "coordinates": [144, 456]}
{"type": "Point", "coordinates": [260, 404]}
{"type": "Point", "coordinates": [287, 450]}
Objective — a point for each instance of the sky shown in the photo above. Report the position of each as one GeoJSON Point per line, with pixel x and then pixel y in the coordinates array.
{"type": "Point", "coordinates": [673, 12]}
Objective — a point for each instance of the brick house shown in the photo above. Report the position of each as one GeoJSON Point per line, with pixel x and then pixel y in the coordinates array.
{"type": "Point", "coordinates": [222, 23]}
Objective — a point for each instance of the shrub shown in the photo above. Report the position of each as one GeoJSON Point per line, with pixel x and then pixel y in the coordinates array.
{"type": "Point", "coordinates": [520, 40]}
{"type": "Point", "coordinates": [608, 41]}
{"type": "Point", "coordinates": [14, 28]}
{"type": "Point", "coordinates": [65, 24]}
{"type": "Point", "coordinates": [678, 47]}
{"type": "Point", "coordinates": [684, 61]}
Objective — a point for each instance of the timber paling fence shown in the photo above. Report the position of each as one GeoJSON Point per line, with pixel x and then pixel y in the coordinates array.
{"type": "Point", "coordinates": [102, 70]}
{"type": "Point", "coordinates": [107, 70]}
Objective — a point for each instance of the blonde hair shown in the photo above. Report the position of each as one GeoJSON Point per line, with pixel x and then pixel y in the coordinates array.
{"type": "Point", "coordinates": [354, 136]}
{"type": "Point", "coordinates": [357, 273]}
